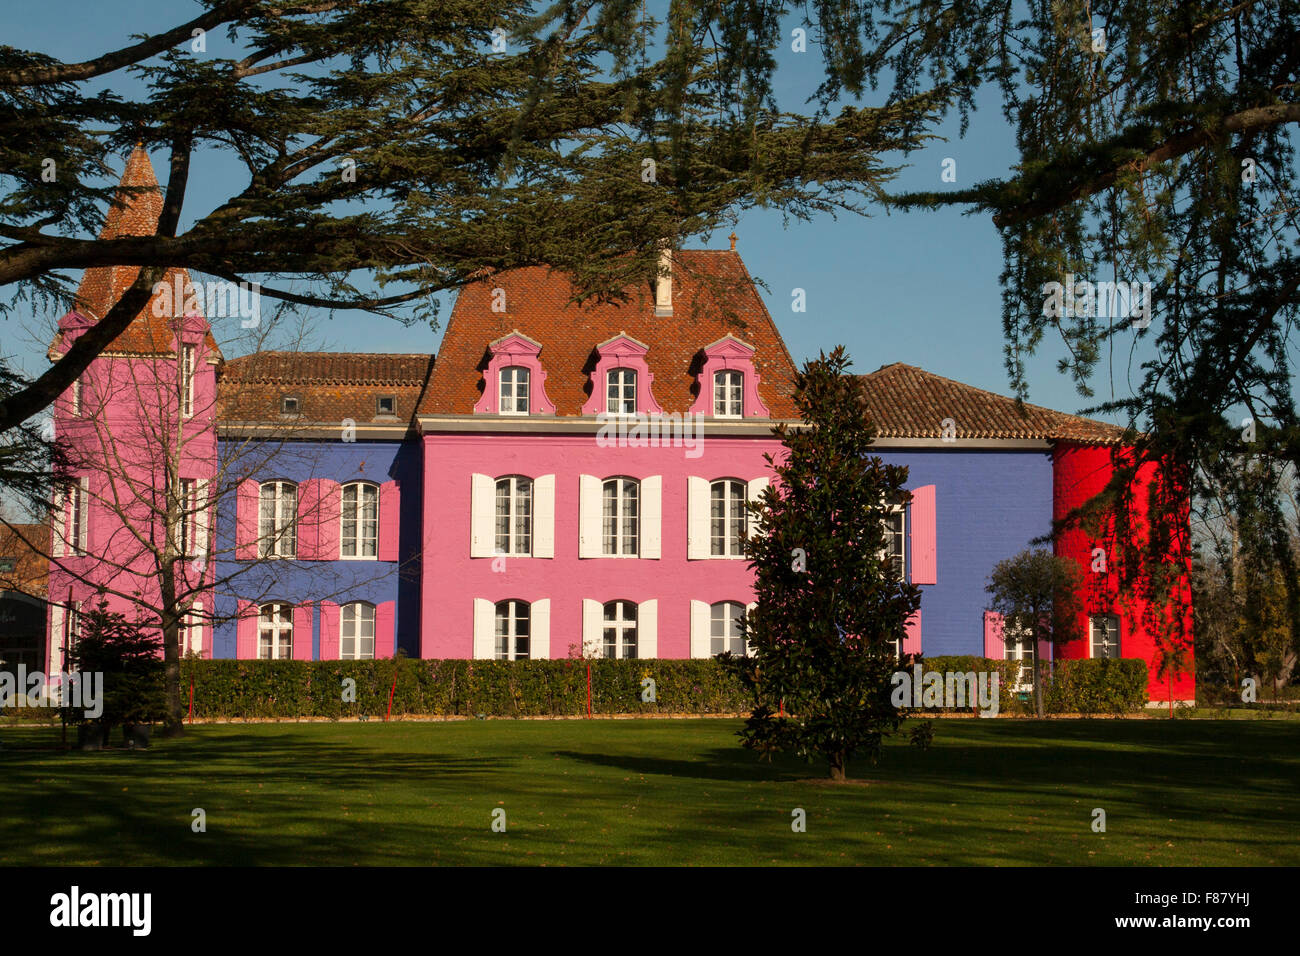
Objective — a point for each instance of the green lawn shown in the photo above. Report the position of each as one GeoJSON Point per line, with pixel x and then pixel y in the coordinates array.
{"type": "Point", "coordinates": [657, 792]}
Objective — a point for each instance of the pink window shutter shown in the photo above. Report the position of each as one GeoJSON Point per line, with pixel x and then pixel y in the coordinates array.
{"type": "Point", "coordinates": [246, 631]}
{"type": "Point", "coordinates": [993, 643]}
{"type": "Point", "coordinates": [302, 632]}
{"type": "Point", "coordinates": [385, 636]}
{"type": "Point", "coordinates": [390, 509]}
{"type": "Point", "coordinates": [246, 503]}
{"type": "Point", "coordinates": [924, 550]}
{"type": "Point", "coordinates": [912, 634]}
{"type": "Point", "coordinates": [309, 520]}
{"type": "Point", "coordinates": [329, 631]}
{"type": "Point", "coordinates": [330, 513]}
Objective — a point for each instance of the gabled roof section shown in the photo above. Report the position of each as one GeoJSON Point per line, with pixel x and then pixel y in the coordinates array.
{"type": "Point", "coordinates": [904, 401]}
{"type": "Point", "coordinates": [330, 386]}
{"type": "Point", "coordinates": [134, 212]}
{"type": "Point", "coordinates": [713, 296]}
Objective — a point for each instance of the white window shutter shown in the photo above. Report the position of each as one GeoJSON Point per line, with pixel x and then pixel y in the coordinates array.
{"type": "Point", "coordinates": [201, 519]}
{"type": "Point", "coordinates": [589, 504]}
{"type": "Point", "coordinates": [700, 629]}
{"type": "Point", "coordinates": [482, 512]}
{"type": "Point", "coordinates": [697, 518]}
{"type": "Point", "coordinates": [652, 508]}
{"type": "Point", "coordinates": [749, 609]}
{"type": "Point", "coordinates": [753, 491]}
{"type": "Point", "coordinates": [196, 627]}
{"type": "Point", "coordinates": [485, 630]}
{"type": "Point", "coordinates": [544, 517]}
{"type": "Point", "coordinates": [593, 644]}
{"type": "Point", "coordinates": [82, 524]}
{"type": "Point", "coordinates": [56, 638]}
{"type": "Point", "coordinates": [539, 637]}
{"type": "Point", "coordinates": [647, 629]}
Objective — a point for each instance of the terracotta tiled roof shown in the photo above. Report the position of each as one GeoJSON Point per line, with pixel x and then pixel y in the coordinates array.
{"type": "Point", "coordinates": [712, 296]}
{"type": "Point", "coordinates": [907, 402]}
{"type": "Point", "coordinates": [135, 212]}
{"type": "Point", "coordinates": [31, 570]}
{"type": "Point", "coordinates": [329, 386]}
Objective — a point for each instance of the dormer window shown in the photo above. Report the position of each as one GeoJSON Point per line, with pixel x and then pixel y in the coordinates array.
{"type": "Point", "coordinates": [728, 381]}
{"type": "Point", "coordinates": [289, 405]}
{"type": "Point", "coordinates": [620, 391]}
{"type": "Point", "coordinates": [385, 405]}
{"type": "Point", "coordinates": [514, 382]}
{"type": "Point", "coordinates": [514, 390]}
{"type": "Point", "coordinates": [728, 394]}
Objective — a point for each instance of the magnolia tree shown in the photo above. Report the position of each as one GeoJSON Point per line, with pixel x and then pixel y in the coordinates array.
{"type": "Point", "coordinates": [831, 606]}
{"type": "Point", "coordinates": [1036, 593]}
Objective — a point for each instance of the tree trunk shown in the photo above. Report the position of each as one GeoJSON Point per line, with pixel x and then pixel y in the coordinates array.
{"type": "Point", "coordinates": [174, 725]}
{"type": "Point", "coordinates": [837, 766]}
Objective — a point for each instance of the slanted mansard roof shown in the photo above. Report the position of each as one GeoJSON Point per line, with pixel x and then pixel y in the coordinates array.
{"type": "Point", "coordinates": [712, 296]}
{"type": "Point", "coordinates": [907, 402]}
{"type": "Point", "coordinates": [134, 212]}
{"type": "Point", "coordinates": [329, 386]}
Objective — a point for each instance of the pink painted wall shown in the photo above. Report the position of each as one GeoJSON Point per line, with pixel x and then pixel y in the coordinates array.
{"type": "Point", "coordinates": [452, 579]}
{"type": "Point", "coordinates": [129, 425]}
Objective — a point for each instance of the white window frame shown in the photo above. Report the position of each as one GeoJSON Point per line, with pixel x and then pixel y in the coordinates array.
{"type": "Point", "coordinates": [1107, 619]}
{"type": "Point", "coordinates": [362, 613]}
{"type": "Point", "coordinates": [900, 513]}
{"type": "Point", "coordinates": [514, 541]}
{"type": "Point", "coordinates": [733, 490]}
{"type": "Point", "coordinates": [507, 641]}
{"type": "Point", "coordinates": [281, 540]}
{"type": "Point", "coordinates": [74, 400]}
{"type": "Point", "coordinates": [76, 517]}
{"type": "Point", "coordinates": [510, 387]}
{"type": "Point", "coordinates": [728, 393]}
{"type": "Point", "coordinates": [718, 615]}
{"type": "Point", "coordinates": [185, 519]}
{"type": "Point", "coordinates": [620, 625]}
{"type": "Point", "coordinates": [357, 540]}
{"type": "Point", "coordinates": [625, 544]}
{"type": "Point", "coordinates": [187, 380]}
{"type": "Point", "coordinates": [281, 632]}
{"type": "Point", "coordinates": [618, 382]}
{"type": "Point", "coordinates": [1018, 645]}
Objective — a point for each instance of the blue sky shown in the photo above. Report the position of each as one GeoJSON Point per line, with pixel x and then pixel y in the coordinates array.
{"type": "Point", "coordinates": [920, 287]}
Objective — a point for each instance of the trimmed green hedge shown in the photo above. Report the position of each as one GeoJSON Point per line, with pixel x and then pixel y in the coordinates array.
{"type": "Point", "coordinates": [1101, 686]}
{"type": "Point", "coordinates": [229, 689]}
{"type": "Point", "coordinates": [225, 689]}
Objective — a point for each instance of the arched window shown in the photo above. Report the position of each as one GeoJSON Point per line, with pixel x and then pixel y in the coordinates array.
{"type": "Point", "coordinates": [620, 391]}
{"type": "Point", "coordinates": [360, 524]}
{"type": "Point", "coordinates": [724, 628]}
{"type": "Point", "coordinates": [275, 632]}
{"type": "Point", "coordinates": [727, 518]}
{"type": "Point", "coordinates": [514, 515]}
{"type": "Point", "coordinates": [620, 517]}
{"type": "Point", "coordinates": [514, 390]}
{"type": "Point", "coordinates": [619, 630]}
{"type": "Point", "coordinates": [357, 632]}
{"type": "Point", "coordinates": [277, 529]}
{"type": "Point", "coordinates": [728, 392]}
{"type": "Point", "coordinates": [512, 629]}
